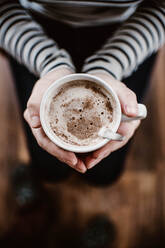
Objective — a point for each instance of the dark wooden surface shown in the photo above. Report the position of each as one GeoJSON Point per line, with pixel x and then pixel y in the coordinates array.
{"type": "Point", "coordinates": [134, 205]}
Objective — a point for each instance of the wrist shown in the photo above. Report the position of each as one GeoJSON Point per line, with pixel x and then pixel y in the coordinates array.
{"type": "Point", "coordinates": [110, 67]}
{"type": "Point", "coordinates": [103, 75]}
{"type": "Point", "coordinates": [61, 70]}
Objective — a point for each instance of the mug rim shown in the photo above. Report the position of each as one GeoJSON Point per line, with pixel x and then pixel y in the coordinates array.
{"type": "Point", "coordinates": [56, 84]}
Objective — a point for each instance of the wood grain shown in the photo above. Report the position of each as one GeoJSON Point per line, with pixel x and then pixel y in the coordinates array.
{"type": "Point", "coordinates": [135, 204]}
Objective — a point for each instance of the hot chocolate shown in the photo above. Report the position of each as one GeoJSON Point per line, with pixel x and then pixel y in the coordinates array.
{"type": "Point", "coordinates": [78, 111]}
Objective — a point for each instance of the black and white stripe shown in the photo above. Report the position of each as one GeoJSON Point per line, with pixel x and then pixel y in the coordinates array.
{"type": "Point", "coordinates": [25, 40]}
{"type": "Point", "coordinates": [139, 37]}
{"type": "Point", "coordinates": [141, 34]}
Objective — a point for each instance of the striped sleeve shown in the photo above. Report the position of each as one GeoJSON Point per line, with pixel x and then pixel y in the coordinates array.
{"type": "Point", "coordinates": [26, 41]}
{"type": "Point", "coordinates": [140, 36]}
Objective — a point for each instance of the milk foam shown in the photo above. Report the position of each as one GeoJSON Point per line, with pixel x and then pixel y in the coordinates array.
{"type": "Point", "coordinates": [78, 111]}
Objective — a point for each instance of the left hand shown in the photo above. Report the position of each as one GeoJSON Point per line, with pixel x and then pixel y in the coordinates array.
{"type": "Point", "coordinates": [32, 117]}
{"type": "Point", "coordinates": [129, 107]}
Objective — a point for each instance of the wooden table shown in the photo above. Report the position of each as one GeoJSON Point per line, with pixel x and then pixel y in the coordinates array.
{"type": "Point", "coordinates": [134, 205]}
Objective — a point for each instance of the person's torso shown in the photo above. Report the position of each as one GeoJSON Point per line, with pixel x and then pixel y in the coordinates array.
{"type": "Point", "coordinates": [84, 12]}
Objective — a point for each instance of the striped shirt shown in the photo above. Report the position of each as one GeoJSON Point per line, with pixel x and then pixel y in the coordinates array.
{"type": "Point", "coordinates": [142, 33]}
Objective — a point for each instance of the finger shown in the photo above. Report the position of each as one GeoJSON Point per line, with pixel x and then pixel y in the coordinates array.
{"type": "Point", "coordinates": [127, 130]}
{"type": "Point", "coordinates": [128, 100]}
{"type": "Point", "coordinates": [126, 96]}
{"type": "Point", "coordinates": [126, 127]}
{"type": "Point", "coordinates": [103, 153]}
{"type": "Point", "coordinates": [44, 142]}
{"type": "Point", "coordinates": [33, 120]}
{"type": "Point", "coordinates": [41, 86]}
{"type": "Point", "coordinates": [90, 162]}
{"type": "Point", "coordinates": [50, 147]}
{"type": "Point", "coordinates": [64, 156]}
{"type": "Point", "coordinates": [80, 166]}
{"type": "Point", "coordinates": [33, 104]}
{"type": "Point", "coordinates": [94, 159]}
{"type": "Point", "coordinates": [38, 90]}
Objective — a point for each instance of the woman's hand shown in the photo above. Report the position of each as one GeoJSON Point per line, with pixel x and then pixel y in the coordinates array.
{"type": "Point", "coordinates": [129, 107]}
{"type": "Point", "coordinates": [31, 115]}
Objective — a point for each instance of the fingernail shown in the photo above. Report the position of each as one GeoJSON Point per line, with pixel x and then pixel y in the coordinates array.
{"type": "Point", "coordinates": [81, 171]}
{"type": "Point", "coordinates": [81, 168]}
{"type": "Point", "coordinates": [74, 161]}
{"type": "Point", "coordinates": [35, 121]}
{"type": "Point", "coordinates": [71, 162]}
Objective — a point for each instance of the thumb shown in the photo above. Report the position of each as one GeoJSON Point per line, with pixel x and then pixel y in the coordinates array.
{"type": "Point", "coordinates": [32, 117]}
{"type": "Point", "coordinates": [126, 96]}
{"type": "Point", "coordinates": [128, 100]}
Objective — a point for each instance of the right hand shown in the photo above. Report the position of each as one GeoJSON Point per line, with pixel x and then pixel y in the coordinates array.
{"type": "Point", "coordinates": [129, 107]}
{"type": "Point", "coordinates": [32, 117]}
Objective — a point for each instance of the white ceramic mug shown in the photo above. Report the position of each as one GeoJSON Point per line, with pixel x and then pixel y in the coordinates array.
{"type": "Point", "coordinates": [107, 134]}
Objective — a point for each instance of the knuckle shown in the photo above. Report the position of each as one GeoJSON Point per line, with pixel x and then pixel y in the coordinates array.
{"type": "Point", "coordinates": [32, 103]}
{"type": "Point", "coordinates": [33, 109]}
{"type": "Point", "coordinates": [129, 92]}
{"type": "Point", "coordinates": [129, 133]}
{"type": "Point", "coordinates": [134, 95]}
{"type": "Point", "coordinates": [123, 85]}
{"type": "Point", "coordinates": [137, 124]}
{"type": "Point", "coordinates": [40, 142]}
{"type": "Point", "coordinates": [66, 161]}
{"type": "Point", "coordinates": [132, 133]}
{"type": "Point", "coordinates": [29, 103]}
{"type": "Point", "coordinates": [131, 95]}
{"type": "Point", "coordinates": [25, 114]}
{"type": "Point", "coordinates": [95, 155]}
